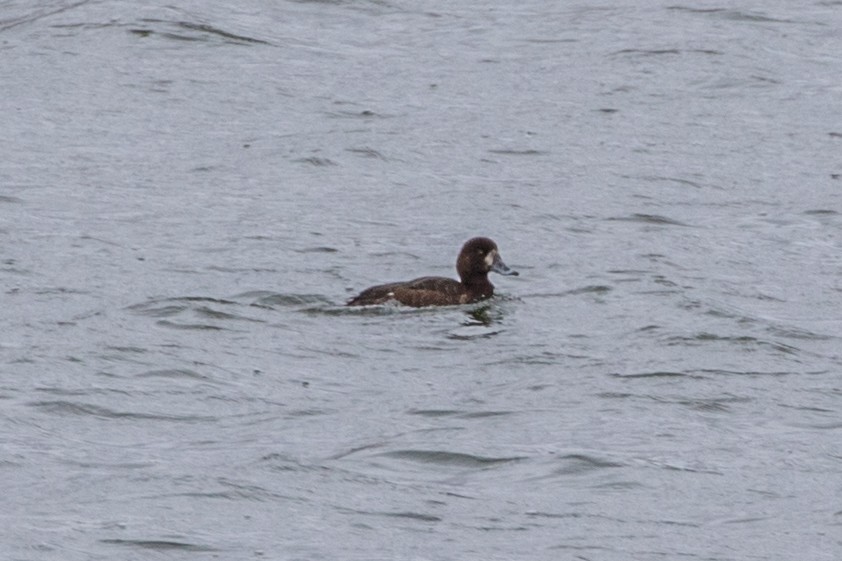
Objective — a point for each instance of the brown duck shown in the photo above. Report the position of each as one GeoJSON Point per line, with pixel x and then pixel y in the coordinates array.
{"type": "Point", "coordinates": [478, 257]}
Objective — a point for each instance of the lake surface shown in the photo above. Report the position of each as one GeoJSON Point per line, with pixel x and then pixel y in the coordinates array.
{"type": "Point", "coordinates": [189, 191]}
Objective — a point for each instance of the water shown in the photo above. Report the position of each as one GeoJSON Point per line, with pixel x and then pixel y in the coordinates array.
{"type": "Point", "coordinates": [190, 190]}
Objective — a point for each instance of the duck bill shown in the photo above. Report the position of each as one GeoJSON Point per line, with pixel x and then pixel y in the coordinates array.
{"type": "Point", "coordinates": [499, 267]}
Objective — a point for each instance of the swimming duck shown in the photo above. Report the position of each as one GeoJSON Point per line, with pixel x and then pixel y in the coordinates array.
{"type": "Point", "coordinates": [477, 258]}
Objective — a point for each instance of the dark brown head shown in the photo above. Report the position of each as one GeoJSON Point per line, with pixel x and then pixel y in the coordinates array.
{"type": "Point", "coordinates": [477, 258]}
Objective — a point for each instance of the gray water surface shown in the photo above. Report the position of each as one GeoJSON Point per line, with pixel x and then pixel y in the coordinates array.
{"type": "Point", "coordinates": [189, 191]}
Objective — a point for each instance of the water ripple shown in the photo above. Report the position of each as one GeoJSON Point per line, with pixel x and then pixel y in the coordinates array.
{"type": "Point", "coordinates": [746, 341]}
{"type": "Point", "coordinates": [173, 373]}
{"type": "Point", "coordinates": [656, 374]}
{"type": "Point", "coordinates": [63, 407]}
{"type": "Point", "coordinates": [457, 413]}
{"type": "Point", "coordinates": [445, 458]}
{"type": "Point", "coordinates": [189, 31]}
{"type": "Point", "coordinates": [583, 463]}
{"type": "Point", "coordinates": [165, 307]}
{"type": "Point", "coordinates": [655, 219]}
{"type": "Point", "coordinates": [405, 514]}
{"type": "Point", "coordinates": [160, 545]}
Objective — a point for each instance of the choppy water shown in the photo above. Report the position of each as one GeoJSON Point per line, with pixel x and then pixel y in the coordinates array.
{"type": "Point", "coordinates": [190, 190]}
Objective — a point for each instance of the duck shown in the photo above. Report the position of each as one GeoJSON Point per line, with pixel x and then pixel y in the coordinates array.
{"type": "Point", "coordinates": [478, 257]}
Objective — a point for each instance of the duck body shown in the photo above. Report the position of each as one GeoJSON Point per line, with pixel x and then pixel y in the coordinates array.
{"type": "Point", "coordinates": [478, 257]}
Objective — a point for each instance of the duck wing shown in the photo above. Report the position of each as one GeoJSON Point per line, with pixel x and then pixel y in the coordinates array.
{"type": "Point", "coordinates": [379, 294]}
{"type": "Point", "coordinates": [430, 291]}
{"type": "Point", "coordinates": [420, 292]}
